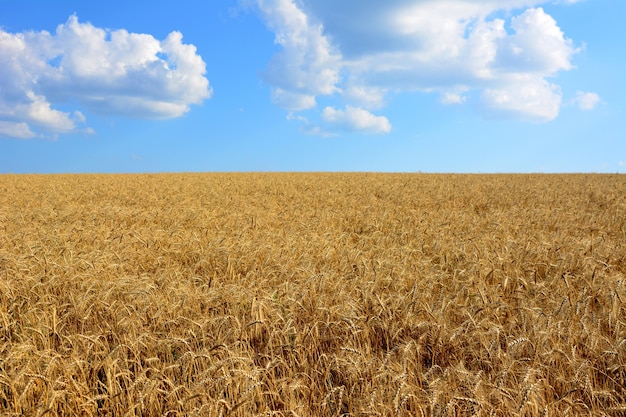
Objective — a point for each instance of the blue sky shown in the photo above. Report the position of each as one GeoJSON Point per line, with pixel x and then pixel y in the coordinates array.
{"type": "Point", "coordinates": [312, 85]}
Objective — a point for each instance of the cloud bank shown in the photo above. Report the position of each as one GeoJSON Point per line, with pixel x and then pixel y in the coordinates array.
{"type": "Point", "coordinates": [502, 55]}
{"type": "Point", "coordinates": [99, 70]}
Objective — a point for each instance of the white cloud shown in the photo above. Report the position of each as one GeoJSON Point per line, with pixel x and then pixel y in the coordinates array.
{"type": "Point", "coordinates": [15, 130]}
{"type": "Point", "coordinates": [365, 96]}
{"type": "Point", "coordinates": [356, 119]}
{"type": "Point", "coordinates": [292, 116]}
{"type": "Point", "coordinates": [39, 112]}
{"type": "Point", "coordinates": [364, 49]}
{"type": "Point", "coordinates": [587, 101]}
{"type": "Point", "coordinates": [307, 64]}
{"type": "Point", "coordinates": [292, 101]}
{"type": "Point", "coordinates": [538, 45]}
{"type": "Point", "coordinates": [105, 71]}
{"type": "Point", "coordinates": [531, 99]}
{"type": "Point", "coordinates": [452, 98]}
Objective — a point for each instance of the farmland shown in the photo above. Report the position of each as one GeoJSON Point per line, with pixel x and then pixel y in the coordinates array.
{"type": "Point", "coordinates": [302, 294]}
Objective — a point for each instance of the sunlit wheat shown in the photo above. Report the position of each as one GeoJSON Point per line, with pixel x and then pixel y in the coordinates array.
{"type": "Point", "coordinates": [313, 295]}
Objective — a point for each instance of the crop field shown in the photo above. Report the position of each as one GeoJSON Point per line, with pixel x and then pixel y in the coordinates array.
{"type": "Point", "coordinates": [303, 294]}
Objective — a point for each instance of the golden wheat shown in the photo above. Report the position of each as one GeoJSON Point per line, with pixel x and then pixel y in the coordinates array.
{"type": "Point", "coordinates": [313, 295]}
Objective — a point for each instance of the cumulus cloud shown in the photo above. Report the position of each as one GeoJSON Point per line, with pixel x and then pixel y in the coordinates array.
{"type": "Point", "coordinates": [532, 99]}
{"type": "Point", "coordinates": [366, 96]}
{"type": "Point", "coordinates": [307, 63]}
{"type": "Point", "coordinates": [356, 119]}
{"type": "Point", "coordinates": [498, 53]}
{"type": "Point", "coordinates": [587, 101]}
{"type": "Point", "coordinates": [104, 71]}
{"type": "Point", "coordinates": [15, 130]}
{"type": "Point", "coordinates": [538, 46]}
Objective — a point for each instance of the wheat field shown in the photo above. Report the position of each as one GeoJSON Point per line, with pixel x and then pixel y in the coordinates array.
{"type": "Point", "coordinates": [312, 294]}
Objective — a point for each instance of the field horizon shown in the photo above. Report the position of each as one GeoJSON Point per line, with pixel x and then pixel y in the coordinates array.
{"type": "Point", "coordinates": [313, 294]}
